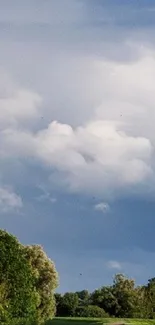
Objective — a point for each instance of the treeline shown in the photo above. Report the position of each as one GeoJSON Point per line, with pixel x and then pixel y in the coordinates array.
{"type": "Point", "coordinates": [122, 299]}
{"type": "Point", "coordinates": [27, 280]}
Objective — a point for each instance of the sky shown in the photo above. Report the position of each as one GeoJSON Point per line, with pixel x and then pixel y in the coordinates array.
{"type": "Point", "coordinates": [77, 115]}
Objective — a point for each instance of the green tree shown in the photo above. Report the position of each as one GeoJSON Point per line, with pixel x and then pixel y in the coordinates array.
{"type": "Point", "coordinates": [58, 300]}
{"type": "Point", "coordinates": [46, 280]}
{"type": "Point", "coordinates": [105, 299]}
{"type": "Point", "coordinates": [68, 304]}
{"type": "Point", "coordinates": [150, 298]}
{"type": "Point", "coordinates": [126, 296]}
{"type": "Point", "coordinates": [141, 306]}
{"type": "Point", "coordinates": [17, 291]}
{"type": "Point", "coordinates": [83, 297]}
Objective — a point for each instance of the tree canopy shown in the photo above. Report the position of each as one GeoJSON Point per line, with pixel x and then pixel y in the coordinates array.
{"type": "Point", "coordinates": [45, 279]}
{"type": "Point", "coordinates": [27, 280]}
{"type": "Point", "coordinates": [17, 291]}
{"type": "Point", "coordinates": [121, 299]}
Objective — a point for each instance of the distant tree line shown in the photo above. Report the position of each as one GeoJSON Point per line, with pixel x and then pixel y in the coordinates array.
{"type": "Point", "coordinates": [28, 279]}
{"type": "Point", "coordinates": [122, 299]}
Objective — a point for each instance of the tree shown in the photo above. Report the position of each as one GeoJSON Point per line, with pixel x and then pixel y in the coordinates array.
{"type": "Point", "coordinates": [46, 280]}
{"type": "Point", "coordinates": [105, 299]}
{"type": "Point", "coordinates": [68, 304]}
{"type": "Point", "coordinates": [141, 306]}
{"type": "Point", "coordinates": [150, 298]}
{"type": "Point", "coordinates": [122, 299]}
{"type": "Point", "coordinates": [58, 300]}
{"type": "Point", "coordinates": [17, 292]}
{"type": "Point", "coordinates": [125, 294]}
{"type": "Point", "coordinates": [83, 297]}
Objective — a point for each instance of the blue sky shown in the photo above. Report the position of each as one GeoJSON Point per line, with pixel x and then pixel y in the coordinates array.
{"type": "Point", "coordinates": [77, 163]}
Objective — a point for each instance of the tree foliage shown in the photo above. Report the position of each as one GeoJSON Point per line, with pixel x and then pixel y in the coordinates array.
{"type": "Point", "coordinates": [83, 297]}
{"type": "Point", "coordinates": [67, 304]}
{"type": "Point", "coordinates": [27, 280]}
{"type": "Point", "coordinates": [149, 298]}
{"type": "Point", "coordinates": [46, 281]}
{"type": "Point", "coordinates": [105, 299]}
{"type": "Point", "coordinates": [124, 291]}
{"type": "Point", "coordinates": [91, 311]}
{"type": "Point", "coordinates": [121, 299]}
{"type": "Point", "coordinates": [17, 291]}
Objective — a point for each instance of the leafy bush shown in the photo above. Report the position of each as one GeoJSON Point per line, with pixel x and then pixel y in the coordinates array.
{"type": "Point", "coordinates": [91, 311]}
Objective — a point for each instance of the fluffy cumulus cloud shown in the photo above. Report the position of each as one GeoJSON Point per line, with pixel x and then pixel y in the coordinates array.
{"type": "Point", "coordinates": [9, 200]}
{"type": "Point", "coordinates": [93, 156]}
{"type": "Point", "coordinates": [108, 153]}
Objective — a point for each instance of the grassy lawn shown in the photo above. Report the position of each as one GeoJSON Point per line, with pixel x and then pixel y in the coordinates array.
{"type": "Point", "coordinates": [99, 321]}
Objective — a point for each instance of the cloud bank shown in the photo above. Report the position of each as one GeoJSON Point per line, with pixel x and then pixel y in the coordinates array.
{"type": "Point", "coordinates": [106, 154]}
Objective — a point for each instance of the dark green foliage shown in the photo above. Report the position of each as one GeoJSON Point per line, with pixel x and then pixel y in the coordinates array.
{"type": "Point", "coordinates": [91, 311]}
{"type": "Point", "coordinates": [122, 300]}
{"type": "Point", "coordinates": [84, 297]}
{"type": "Point", "coordinates": [125, 293]}
{"type": "Point", "coordinates": [105, 299]}
{"type": "Point", "coordinates": [149, 298]}
{"type": "Point", "coordinates": [67, 305]}
{"type": "Point", "coordinates": [17, 292]}
{"type": "Point", "coordinates": [58, 301]}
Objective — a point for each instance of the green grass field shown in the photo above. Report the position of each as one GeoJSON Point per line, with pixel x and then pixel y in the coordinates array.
{"type": "Point", "coordinates": [99, 321]}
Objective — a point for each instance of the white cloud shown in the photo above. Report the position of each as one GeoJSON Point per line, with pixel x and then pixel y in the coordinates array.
{"type": "Point", "coordinates": [108, 154]}
{"type": "Point", "coordinates": [128, 94]}
{"type": "Point", "coordinates": [95, 156]}
{"type": "Point", "coordinates": [17, 104]}
{"type": "Point", "coordinates": [9, 200]}
{"type": "Point", "coordinates": [103, 207]}
{"type": "Point", "coordinates": [114, 265]}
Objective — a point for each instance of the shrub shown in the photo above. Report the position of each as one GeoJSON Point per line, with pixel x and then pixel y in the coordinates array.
{"type": "Point", "coordinates": [91, 311]}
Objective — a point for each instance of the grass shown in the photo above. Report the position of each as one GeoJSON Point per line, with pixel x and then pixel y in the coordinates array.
{"type": "Point", "coordinates": [98, 321]}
